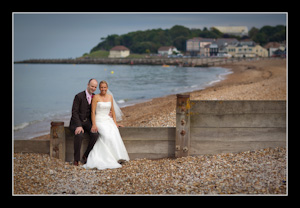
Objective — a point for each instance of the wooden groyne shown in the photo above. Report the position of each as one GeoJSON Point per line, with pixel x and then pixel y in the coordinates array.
{"type": "Point", "coordinates": [185, 62]}
{"type": "Point", "coordinates": [202, 127]}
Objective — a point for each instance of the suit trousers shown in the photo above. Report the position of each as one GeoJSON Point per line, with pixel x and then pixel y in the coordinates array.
{"type": "Point", "coordinates": [87, 125]}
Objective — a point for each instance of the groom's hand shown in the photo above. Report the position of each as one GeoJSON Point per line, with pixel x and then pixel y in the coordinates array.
{"type": "Point", "coordinates": [78, 130]}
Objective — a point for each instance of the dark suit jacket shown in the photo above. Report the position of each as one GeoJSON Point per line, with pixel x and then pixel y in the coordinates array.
{"type": "Point", "coordinates": [80, 111]}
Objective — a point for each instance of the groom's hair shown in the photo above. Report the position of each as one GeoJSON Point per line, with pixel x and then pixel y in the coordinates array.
{"type": "Point", "coordinates": [91, 80]}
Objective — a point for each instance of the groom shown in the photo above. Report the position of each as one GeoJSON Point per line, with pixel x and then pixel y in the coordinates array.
{"type": "Point", "coordinates": [81, 120]}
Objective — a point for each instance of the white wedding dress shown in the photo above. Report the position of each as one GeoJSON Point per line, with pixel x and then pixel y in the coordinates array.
{"type": "Point", "coordinates": [109, 148]}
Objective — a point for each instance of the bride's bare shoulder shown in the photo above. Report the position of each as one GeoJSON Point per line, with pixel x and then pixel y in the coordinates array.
{"type": "Point", "coordinates": [109, 96]}
{"type": "Point", "coordinates": [96, 97]}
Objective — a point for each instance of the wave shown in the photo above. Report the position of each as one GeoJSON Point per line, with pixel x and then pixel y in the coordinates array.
{"type": "Point", "coordinates": [63, 115]}
{"type": "Point", "coordinates": [21, 126]}
{"type": "Point", "coordinates": [221, 77]}
{"type": "Point", "coordinates": [122, 101]}
{"type": "Point", "coordinates": [129, 102]}
{"type": "Point", "coordinates": [31, 129]}
{"type": "Point", "coordinates": [213, 82]}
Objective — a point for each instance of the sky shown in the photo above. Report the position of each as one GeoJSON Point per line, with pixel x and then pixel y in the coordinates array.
{"type": "Point", "coordinates": [70, 35]}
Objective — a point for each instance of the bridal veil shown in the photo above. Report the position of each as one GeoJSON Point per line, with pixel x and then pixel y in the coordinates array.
{"type": "Point", "coordinates": [117, 109]}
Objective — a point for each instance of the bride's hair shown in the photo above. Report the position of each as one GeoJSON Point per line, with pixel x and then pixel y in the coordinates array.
{"type": "Point", "coordinates": [103, 82]}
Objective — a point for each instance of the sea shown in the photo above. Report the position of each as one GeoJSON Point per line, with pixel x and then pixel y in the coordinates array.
{"type": "Point", "coordinates": [44, 92]}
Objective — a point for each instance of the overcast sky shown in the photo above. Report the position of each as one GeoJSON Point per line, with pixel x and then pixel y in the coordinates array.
{"type": "Point", "coordinates": [70, 35]}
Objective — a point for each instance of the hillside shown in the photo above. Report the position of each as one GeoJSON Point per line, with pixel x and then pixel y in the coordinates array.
{"type": "Point", "coordinates": [149, 41]}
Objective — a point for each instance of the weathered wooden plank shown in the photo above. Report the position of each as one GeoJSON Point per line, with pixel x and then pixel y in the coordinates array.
{"type": "Point", "coordinates": [144, 142]}
{"type": "Point", "coordinates": [239, 120]}
{"type": "Point", "coordinates": [238, 134]}
{"type": "Point", "coordinates": [148, 146]}
{"type": "Point", "coordinates": [32, 146]}
{"type": "Point", "coordinates": [148, 133]}
{"type": "Point", "coordinates": [182, 140]}
{"type": "Point", "coordinates": [57, 140]}
{"type": "Point", "coordinates": [224, 107]}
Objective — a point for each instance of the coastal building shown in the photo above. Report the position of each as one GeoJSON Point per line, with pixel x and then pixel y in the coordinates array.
{"type": "Point", "coordinates": [224, 47]}
{"type": "Point", "coordinates": [213, 49]}
{"type": "Point", "coordinates": [273, 47]}
{"type": "Point", "coordinates": [233, 30]}
{"type": "Point", "coordinates": [199, 46]}
{"type": "Point", "coordinates": [246, 48]}
{"type": "Point", "coordinates": [205, 47]}
{"type": "Point", "coordinates": [119, 52]}
{"type": "Point", "coordinates": [167, 50]}
{"type": "Point", "coordinates": [260, 51]}
{"type": "Point", "coordinates": [193, 46]}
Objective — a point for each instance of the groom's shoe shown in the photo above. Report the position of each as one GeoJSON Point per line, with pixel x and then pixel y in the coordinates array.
{"type": "Point", "coordinates": [84, 159]}
{"type": "Point", "coordinates": [75, 163]}
{"type": "Point", "coordinates": [121, 161]}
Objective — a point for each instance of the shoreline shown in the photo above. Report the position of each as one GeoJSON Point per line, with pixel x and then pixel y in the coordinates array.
{"type": "Point", "coordinates": [250, 80]}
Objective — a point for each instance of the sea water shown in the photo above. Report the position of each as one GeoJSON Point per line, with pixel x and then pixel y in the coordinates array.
{"type": "Point", "coordinates": [44, 92]}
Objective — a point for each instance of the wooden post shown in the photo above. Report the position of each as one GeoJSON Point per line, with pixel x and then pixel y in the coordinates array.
{"type": "Point", "coordinates": [182, 148]}
{"type": "Point", "coordinates": [57, 140]}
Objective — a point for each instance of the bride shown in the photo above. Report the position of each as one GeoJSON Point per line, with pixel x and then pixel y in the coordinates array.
{"type": "Point", "coordinates": [109, 150]}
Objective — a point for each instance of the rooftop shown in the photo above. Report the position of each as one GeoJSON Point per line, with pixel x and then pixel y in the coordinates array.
{"type": "Point", "coordinates": [119, 48]}
{"type": "Point", "coordinates": [165, 48]}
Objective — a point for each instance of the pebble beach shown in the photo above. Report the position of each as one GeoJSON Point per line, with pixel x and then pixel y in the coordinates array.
{"type": "Point", "coordinates": [251, 172]}
{"type": "Point", "coordinates": [245, 173]}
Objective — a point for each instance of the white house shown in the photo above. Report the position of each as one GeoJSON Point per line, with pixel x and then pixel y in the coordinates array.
{"type": "Point", "coordinates": [119, 52]}
{"type": "Point", "coordinates": [167, 50]}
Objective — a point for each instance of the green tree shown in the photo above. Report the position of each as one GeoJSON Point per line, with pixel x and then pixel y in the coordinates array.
{"type": "Point", "coordinates": [151, 40]}
{"type": "Point", "coordinates": [268, 33]}
{"type": "Point", "coordinates": [253, 32]}
{"type": "Point", "coordinates": [141, 47]}
{"type": "Point", "coordinates": [180, 43]}
{"type": "Point", "coordinates": [112, 39]}
{"type": "Point", "coordinates": [126, 40]}
{"type": "Point", "coordinates": [179, 30]}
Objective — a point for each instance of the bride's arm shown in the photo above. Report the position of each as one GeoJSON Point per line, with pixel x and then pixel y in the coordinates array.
{"type": "Point", "coordinates": [94, 128]}
{"type": "Point", "coordinates": [113, 111]}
